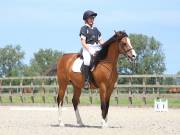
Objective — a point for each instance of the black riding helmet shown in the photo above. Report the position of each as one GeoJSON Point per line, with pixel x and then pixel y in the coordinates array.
{"type": "Point", "coordinates": [88, 13]}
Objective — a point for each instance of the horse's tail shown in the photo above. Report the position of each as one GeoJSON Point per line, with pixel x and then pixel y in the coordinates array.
{"type": "Point", "coordinates": [52, 70]}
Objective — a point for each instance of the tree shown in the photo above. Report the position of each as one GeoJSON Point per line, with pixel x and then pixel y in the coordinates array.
{"type": "Point", "coordinates": [42, 60]}
{"type": "Point", "coordinates": [150, 57]}
{"type": "Point", "coordinates": [11, 60]}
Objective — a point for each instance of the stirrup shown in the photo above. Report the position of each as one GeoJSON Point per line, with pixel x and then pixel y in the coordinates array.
{"type": "Point", "coordinates": [86, 85]}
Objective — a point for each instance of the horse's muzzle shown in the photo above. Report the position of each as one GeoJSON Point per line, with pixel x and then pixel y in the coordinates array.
{"type": "Point", "coordinates": [134, 57]}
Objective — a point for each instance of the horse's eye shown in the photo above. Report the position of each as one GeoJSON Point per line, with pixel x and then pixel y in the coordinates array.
{"type": "Point", "coordinates": [124, 44]}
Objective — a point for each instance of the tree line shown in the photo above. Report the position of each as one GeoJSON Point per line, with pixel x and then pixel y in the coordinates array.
{"type": "Point", "coordinates": [11, 61]}
{"type": "Point", "coordinates": [150, 59]}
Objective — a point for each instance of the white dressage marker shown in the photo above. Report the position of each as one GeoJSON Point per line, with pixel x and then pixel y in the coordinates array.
{"type": "Point", "coordinates": [161, 105]}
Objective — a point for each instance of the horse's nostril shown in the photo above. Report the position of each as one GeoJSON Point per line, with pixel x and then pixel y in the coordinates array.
{"type": "Point", "coordinates": [134, 57]}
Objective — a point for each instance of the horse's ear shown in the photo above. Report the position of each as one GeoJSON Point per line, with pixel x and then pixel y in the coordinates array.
{"type": "Point", "coordinates": [125, 33]}
{"type": "Point", "coordinates": [115, 32]}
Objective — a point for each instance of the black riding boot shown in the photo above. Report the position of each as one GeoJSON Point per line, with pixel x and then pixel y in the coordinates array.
{"type": "Point", "coordinates": [86, 75]}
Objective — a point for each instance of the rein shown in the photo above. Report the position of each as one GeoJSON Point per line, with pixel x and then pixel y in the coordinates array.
{"type": "Point", "coordinates": [117, 38]}
{"type": "Point", "coordinates": [105, 61]}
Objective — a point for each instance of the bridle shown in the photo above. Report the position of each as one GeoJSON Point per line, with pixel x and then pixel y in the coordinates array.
{"type": "Point", "coordinates": [118, 40]}
{"type": "Point", "coordinates": [124, 52]}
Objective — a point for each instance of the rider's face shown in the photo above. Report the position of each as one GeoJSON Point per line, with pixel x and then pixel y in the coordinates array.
{"type": "Point", "coordinates": [90, 20]}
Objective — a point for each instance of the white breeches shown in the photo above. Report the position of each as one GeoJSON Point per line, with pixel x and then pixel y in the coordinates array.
{"type": "Point", "coordinates": [87, 55]}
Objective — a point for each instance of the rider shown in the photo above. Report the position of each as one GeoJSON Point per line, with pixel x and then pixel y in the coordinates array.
{"type": "Point", "coordinates": [91, 40]}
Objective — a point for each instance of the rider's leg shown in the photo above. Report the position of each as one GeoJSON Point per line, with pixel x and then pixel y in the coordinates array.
{"type": "Point", "coordinates": [86, 75]}
{"type": "Point", "coordinates": [87, 59]}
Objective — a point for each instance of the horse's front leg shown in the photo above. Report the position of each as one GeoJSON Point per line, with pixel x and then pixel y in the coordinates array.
{"type": "Point", "coordinates": [104, 115]}
{"type": "Point", "coordinates": [104, 106]}
{"type": "Point", "coordinates": [105, 95]}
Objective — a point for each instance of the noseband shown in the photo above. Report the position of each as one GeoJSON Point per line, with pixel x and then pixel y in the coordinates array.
{"type": "Point", "coordinates": [126, 51]}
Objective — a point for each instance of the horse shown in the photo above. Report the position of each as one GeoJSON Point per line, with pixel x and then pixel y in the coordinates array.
{"type": "Point", "coordinates": [104, 75]}
{"type": "Point", "coordinates": [174, 90]}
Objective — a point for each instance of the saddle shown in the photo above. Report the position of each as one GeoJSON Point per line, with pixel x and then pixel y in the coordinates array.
{"type": "Point", "coordinates": [78, 67]}
{"type": "Point", "coordinates": [78, 63]}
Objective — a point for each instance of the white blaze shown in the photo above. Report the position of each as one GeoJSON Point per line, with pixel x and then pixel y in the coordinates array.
{"type": "Point", "coordinates": [129, 43]}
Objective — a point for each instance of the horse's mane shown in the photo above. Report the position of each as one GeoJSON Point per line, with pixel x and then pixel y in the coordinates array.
{"type": "Point", "coordinates": [103, 52]}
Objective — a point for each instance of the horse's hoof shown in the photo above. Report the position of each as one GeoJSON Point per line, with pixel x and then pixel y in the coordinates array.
{"type": "Point", "coordinates": [61, 124]}
{"type": "Point", "coordinates": [104, 124]}
{"type": "Point", "coordinates": [80, 125]}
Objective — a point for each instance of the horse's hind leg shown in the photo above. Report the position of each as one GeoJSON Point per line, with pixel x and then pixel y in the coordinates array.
{"type": "Point", "coordinates": [75, 101]}
{"type": "Point", "coordinates": [62, 89]}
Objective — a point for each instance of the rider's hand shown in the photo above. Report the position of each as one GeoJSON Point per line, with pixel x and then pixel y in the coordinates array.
{"type": "Point", "coordinates": [92, 51]}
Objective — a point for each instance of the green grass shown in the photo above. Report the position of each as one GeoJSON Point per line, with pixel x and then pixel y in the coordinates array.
{"type": "Point", "coordinates": [27, 99]}
{"type": "Point", "coordinates": [85, 100]}
{"type": "Point", "coordinates": [174, 103]}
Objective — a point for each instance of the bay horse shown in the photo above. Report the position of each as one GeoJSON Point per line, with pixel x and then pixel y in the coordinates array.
{"type": "Point", "coordinates": [105, 74]}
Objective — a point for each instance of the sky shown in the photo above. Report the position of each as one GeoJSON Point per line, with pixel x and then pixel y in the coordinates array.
{"type": "Point", "coordinates": [55, 24]}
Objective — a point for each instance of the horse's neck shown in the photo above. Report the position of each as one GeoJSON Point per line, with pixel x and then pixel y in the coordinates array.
{"type": "Point", "coordinates": [113, 54]}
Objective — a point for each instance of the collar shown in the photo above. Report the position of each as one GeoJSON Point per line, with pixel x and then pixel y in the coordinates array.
{"type": "Point", "coordinates": [89, 25]}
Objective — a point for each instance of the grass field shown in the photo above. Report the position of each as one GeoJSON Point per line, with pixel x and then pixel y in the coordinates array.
{"type": "Point", "coordinates": [122, 100]}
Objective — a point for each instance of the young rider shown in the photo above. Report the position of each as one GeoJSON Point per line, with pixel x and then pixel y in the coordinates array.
{"type": "Point", "coordinates": [91, 40]}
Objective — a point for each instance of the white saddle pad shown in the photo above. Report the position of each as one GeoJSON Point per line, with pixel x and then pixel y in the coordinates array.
{"type": "Point", "coordinates": [77, 65]}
